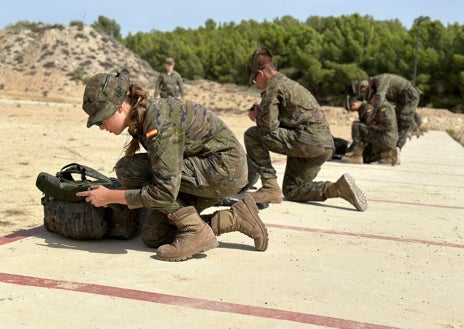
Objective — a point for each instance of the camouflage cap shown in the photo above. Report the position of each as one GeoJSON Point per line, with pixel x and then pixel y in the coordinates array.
{"type": "Point", "coordinates": [104, 94]}
{"type": "Point", "coordinates": [260, 57]}
{"type": "Point", "coordinates": [169, 60]}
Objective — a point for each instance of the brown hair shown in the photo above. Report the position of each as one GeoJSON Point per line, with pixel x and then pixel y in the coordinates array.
{"type": "Point", "coordinates": [259, 60]}
{"type": "Point", "coordinates": [263, 60]}
{"type": "Point", "coordinates": [137, 98]}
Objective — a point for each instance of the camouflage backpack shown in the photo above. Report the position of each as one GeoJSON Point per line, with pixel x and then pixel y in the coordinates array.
{"type": "Point", "coordinates": [72, 216]}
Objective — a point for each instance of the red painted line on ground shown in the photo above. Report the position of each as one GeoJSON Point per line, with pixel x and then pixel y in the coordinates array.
{"type": "Point", "coordinates": [196, 303]}
{"type": "Point", "coordinates": [21, 235]}
{"type": "Point", "coordinates": [389, 168]}
{"type": "Point", "coordinates": [417, 204]}
{"type": "Point", "coordinates": [368, 236]}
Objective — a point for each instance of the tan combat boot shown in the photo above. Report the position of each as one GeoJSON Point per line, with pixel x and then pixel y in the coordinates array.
{"type": "Point", "coordinates": [194, 236]}
{"type": "Point", "coordinates": [270, 191]}
{"type": "Point", "coordinates": [355, 156]}
{"type": "Point", "coordinates": [242, 217]}
{"type": "Point", "coordinates": [346, 188]}
{"type": "Point", "coordinates": [390, 157]}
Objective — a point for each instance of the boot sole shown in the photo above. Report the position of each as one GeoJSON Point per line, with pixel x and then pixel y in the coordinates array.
{"type": "Point", "coordinates": [209, 244]}
{"type": "Point", "coordinates": [258, 200]}
{"type": "Point", "coordinates": [350, 160]}
{"type": "Point", "coordinates": [251, 205]}
{"type": "Point", "coordinates": [357, 197]}
{"type": "Point", "coordinates": [275, 201]}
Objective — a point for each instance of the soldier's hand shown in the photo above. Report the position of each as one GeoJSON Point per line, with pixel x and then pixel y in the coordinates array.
{"type": "Point", "coordinates": [254, 112]}
{"type": "Point", "coordinates": [97, 196]}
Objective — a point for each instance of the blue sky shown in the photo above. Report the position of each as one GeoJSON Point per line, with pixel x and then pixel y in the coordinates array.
{"type": "Point", "coordinates": [146, 15]}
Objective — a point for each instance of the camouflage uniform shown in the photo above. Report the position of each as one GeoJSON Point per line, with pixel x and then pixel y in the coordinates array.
{"type": "Point", "coordinates": [364, 112]}
{"type": "Point", "coordinates": [169, 85]}
{"type": "Point", "coordinates": [370, 154]}
{"type": "Point", "coordinates": [379, 128]}
{"type": "Point", "coordinates": [192, 158]}
{"type": "Point", "coordinates": [291, 123]}
{"type": "Point", "coordinates": [401, 93]}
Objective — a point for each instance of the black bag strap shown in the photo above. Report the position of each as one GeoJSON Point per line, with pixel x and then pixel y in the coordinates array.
{"type": "Point", "coordinates": [75, 168]}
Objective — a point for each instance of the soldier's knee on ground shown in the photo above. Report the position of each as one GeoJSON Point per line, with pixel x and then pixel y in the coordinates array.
{"type": "Point", "coordinates": [156, 228]}
{"type": "Point", "coordinates": [291, 193]}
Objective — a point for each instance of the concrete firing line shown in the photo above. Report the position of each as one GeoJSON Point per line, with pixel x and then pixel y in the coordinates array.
{"type": "Point", "coordinates": [190, 302]}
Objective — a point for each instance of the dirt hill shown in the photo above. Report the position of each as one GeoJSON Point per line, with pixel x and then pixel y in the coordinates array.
{"type": "Point", "coordinates": [51, 63]}
{"type": "Point", "coordinates": [43, 62]}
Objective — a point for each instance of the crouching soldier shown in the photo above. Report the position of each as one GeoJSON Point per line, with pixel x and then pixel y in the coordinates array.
{"type": "Point", "coordinates": [377, 129]}
{"type": "Point", "coordinates": [403, 95]}
{"type": "Point", "coordinates": [192, 161]}
{"type": "Point", "coordinates": [290, 121]}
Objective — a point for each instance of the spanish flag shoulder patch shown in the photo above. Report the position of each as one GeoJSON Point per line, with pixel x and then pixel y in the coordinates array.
{"type": "Point", "coordinates": [152, 133]}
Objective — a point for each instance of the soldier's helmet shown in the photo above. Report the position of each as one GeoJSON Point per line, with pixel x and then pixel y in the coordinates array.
{"type": "Point", "coordinates": [361, 88]}
{"type": "Point", "coordinates": [104, 94]}
{"type": "Point", "coordinates": [357, 84]}
{"type": "Point", "coordinates": [169, 61]}
{"type": "Point", "coordinates": [260, 57]}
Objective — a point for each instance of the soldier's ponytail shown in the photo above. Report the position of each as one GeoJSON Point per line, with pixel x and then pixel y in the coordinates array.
{"type": "Point", "coordinates": [137, 98]}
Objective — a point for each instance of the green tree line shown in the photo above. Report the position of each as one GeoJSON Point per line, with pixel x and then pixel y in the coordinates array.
{"type": "Point", "coordinates": [322, 53]}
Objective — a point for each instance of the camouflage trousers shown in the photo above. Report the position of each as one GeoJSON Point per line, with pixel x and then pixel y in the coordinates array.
{"type": "Point", "coordinates": [197, 188]}
{"type": "Point", "coordinates": [303, 164]}
{"type": "Point", "coordinates": [362, 135]}
{"type": "Point", "coordinates": [202, 182]}
{"type": "Point", "coordinates": [406, 116]}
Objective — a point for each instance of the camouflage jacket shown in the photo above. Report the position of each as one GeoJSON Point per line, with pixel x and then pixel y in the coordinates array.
{"type": "Point", "coordinates": [287, 104]}
{"type": "Point", "coordinates": [364, 112]}
{"type": "Point", "coordinates": [391, 87]}
{"type": "Point", "coordinates": [383, 120]}
{"type": "Point", "coordinates": [169, 85]}
{"type": "Point", "coordinates": [174, 131]}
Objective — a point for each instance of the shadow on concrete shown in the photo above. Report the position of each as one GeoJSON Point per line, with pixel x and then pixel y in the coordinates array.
{"type": "Point", "coordinates": [104, 246]}
{"type": "Point", "coordinates": [230, 245]}
{"type": "Point", "coordinates": [196, 256]}
{"type": "Point", "coordinates": [326, 205]}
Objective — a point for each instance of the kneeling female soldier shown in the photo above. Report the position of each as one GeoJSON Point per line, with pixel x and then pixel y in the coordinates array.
{"type": "Point", "coordinates": [192, 161]}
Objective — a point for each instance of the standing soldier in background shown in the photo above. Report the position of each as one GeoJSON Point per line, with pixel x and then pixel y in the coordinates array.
{"type": "Point", "coordinates": [169, 84]}
{"type": "Point", "coordinates": [290, 121]}
{"type": "Point", "coordinates": [399, 92]}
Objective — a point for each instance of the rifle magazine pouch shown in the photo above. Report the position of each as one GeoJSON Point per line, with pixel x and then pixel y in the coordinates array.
{"type": "Point", "coordinates": [76, 220]}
